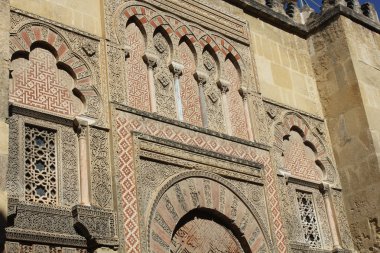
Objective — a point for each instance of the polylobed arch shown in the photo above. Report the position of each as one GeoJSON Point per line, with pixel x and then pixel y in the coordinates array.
{"type": "Point", "coordinates": [32, 35]}
{"type": "Point", "coordinates": [292, 121]}
{"type": "Point", "coordinates": [187, 193]}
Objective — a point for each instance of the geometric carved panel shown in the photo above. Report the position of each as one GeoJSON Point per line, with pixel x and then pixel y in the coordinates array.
{"type": "Point", "coordinates": [38, 83]}
{"type": "Point", "coordinates": [235, 102]}
{"type": "Point", "coordinates": [136, 70]}
{"type": "Point", "coordinates": [300, 159]}
{"type": "Point", "coordinates": [189, 87]}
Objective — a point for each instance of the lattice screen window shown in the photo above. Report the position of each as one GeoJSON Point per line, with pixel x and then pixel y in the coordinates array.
{"type": "Point", "coordinates": [40, 165]}
{"type": "Point", "coordinates": [308, 219]}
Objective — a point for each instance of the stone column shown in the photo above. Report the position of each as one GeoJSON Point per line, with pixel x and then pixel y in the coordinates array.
{"type": "Point", "coordinates": [326, 192]}
{"type": "Point", "coordinates": [224, 87]}
{"type": "Point", "coordinates": [176, 69]}
{"type": "Point", "coordinates": [151, 61]}
{"type": "Point", "coordinates": [202, 78]}
{"type": "Point", "coordinates": [83, 165]}
{"type": "Point", "coordinates": [244, 94]}
{"type": "Point", "coordinates": [4, 128]}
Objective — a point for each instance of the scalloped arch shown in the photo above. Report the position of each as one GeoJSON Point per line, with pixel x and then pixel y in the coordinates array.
{"type": "Point", "coordinates": [28, 36]}
{"type": "Point", "coordinates": [187, 191]}
{"type": "Point", "coordinates": [294, 121]}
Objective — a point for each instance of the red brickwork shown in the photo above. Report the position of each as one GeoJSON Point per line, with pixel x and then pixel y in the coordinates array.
{"type": "Point", "coordinates": [39, 84]}
{"type": "Point", "coordinates": [136, 71]}
{"type": "Point", "coordinates": [189, 87]}
{"type": "Point", "coordinates": [274, 206]}
{"type": "Point", "coordinates": [34, 34]}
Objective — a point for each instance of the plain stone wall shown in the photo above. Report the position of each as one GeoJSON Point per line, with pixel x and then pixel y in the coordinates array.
{"type": "Point", "coordinates": [84, 15]}
{"type": "Point", "coordinates": [4, 130]}
{"type": "Point", "coordinates": [343, 83]}
{"type": "Point", "coordinates": [364, 47]}
{"type": "Point", "coordinates": [284, 66]}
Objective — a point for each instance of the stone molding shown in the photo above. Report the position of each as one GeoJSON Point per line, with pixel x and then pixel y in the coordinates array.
{"type": "Point", "coordinates": [283, 22]}
{"type": "Point", "coordinates": [32, 222]}
{"type": "Point", "coordinates": [189, 126]}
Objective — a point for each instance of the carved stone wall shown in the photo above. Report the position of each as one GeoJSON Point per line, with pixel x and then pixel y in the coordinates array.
{"type": "Point", "coordinates": [65, 156]}
{"type": "Point", "coordinates": [158, 138]}
{"type": "Point", "coordinates": [190, 96]}
{"type": "Point", "coordinates": [136, 76]}
{"type": "Point", "coordinates": [129, 148]}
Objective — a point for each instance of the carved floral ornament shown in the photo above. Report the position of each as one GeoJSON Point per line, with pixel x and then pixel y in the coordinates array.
{"type": "Point", "coordinates": [149, 20]}
{"type": "Point", "coordinates": [28, 38]}
{"type": "Point", "coordinates": [309, 143]}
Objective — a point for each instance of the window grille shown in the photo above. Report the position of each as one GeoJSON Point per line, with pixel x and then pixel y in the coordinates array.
{"type": "Point", "coordinates": [308, 219]}
{"type": "Point", "coordinates": [40, 165]}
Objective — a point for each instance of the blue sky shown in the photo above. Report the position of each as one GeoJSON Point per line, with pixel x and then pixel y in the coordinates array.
{"type": "Point", "coordinates": [376, 2]}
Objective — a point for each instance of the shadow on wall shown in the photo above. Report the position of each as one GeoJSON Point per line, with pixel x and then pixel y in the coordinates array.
{"type": "Point", "coordinates": [3, 222]}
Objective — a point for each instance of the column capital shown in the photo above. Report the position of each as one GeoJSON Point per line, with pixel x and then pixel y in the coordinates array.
{"type": "Point", "coordinates": [201, 77]}
{"type": "Point", "coordinates": [325, 189]}
{"type": "Point", "coordinates": [176, 68]}
{"type": "Point", "coordinates": [223, 85]}
{"type": "Point", "coordinates": [243, 91]}
{"type": "Point", "coordinates": [150, 59]}
{"type": "Point", "coordinates": [80, 127]}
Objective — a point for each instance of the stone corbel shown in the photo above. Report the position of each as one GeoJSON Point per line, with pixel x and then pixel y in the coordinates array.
{"type": "Point", "coordinates": [202, 79]}
{"type": "Point", "coordinates": [151, 62]}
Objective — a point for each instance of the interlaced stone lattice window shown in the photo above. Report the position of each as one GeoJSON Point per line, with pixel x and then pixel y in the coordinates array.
{"type": "Point", "coordinates": [40, 165]}
{"type": "Point", "coordinates": [308, 219]}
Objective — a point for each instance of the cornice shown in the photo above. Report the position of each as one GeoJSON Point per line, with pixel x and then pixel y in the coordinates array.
{"type": "Point", "coordinates": [316, 23]}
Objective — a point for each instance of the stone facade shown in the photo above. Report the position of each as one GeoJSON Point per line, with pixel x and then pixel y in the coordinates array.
{"type": "Point", "coordinates": [188, 126]}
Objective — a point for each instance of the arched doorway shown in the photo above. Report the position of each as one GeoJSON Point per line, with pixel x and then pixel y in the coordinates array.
{"type": "Point", "coordinates": [205, 230]}
{"type": "Point", "coordinates": [202, 212]}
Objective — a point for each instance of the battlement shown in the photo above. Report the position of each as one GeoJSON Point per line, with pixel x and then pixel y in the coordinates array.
{"type": "Point", "coordinates": [288, 16]}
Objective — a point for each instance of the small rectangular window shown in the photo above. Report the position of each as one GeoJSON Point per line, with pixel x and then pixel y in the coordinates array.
{"type": "Point", "coordinates": [308, 219]}
{"type": "Point", "coordinates": [40, 165]}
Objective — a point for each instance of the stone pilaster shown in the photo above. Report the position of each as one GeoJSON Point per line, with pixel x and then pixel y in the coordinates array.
{"type": "Point", "coordinates": [151, 62]}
